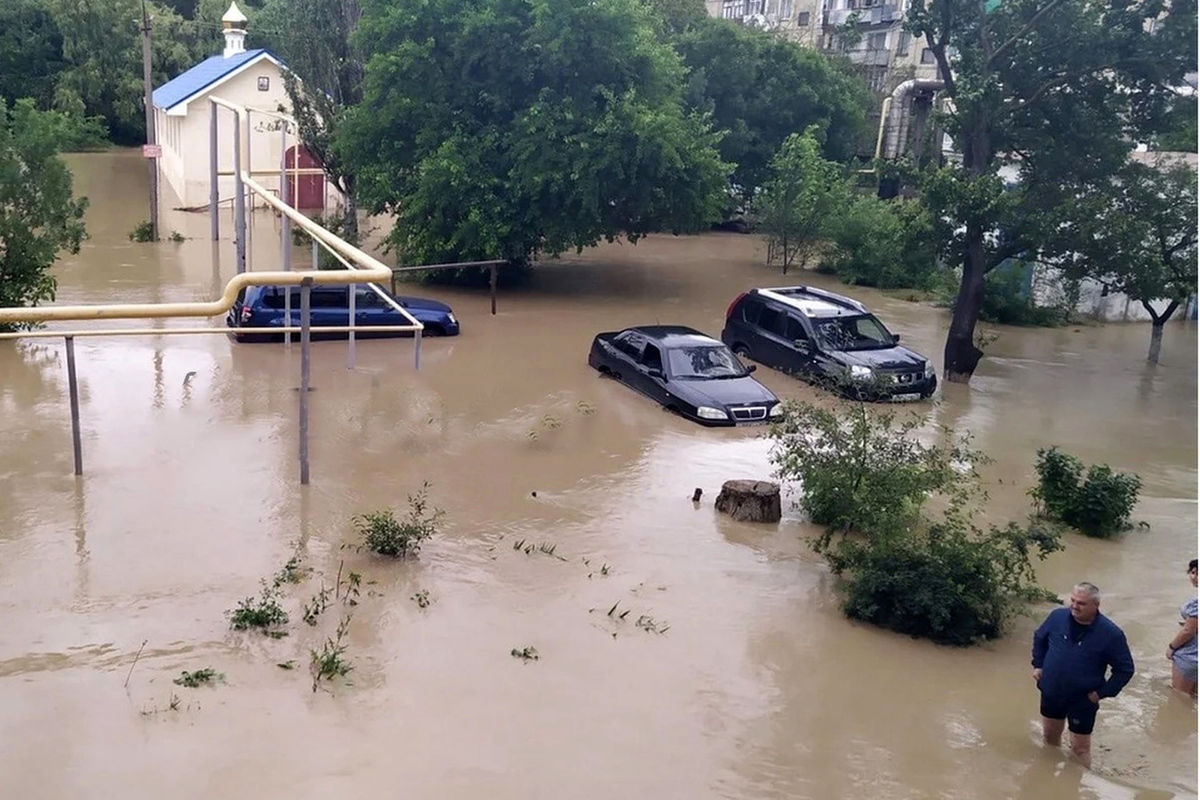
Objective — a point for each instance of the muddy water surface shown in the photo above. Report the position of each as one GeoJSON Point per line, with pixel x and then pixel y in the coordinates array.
{"type": "Point", "coordinates": [759, 688]}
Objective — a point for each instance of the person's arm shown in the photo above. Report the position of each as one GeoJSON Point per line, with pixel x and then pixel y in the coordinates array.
{"type": "Point", "coordinates": [1121, 661]}
{"type": "Point", "coordinates": [1041, 643]}
{"type": "Point", "coordinates": [1186, 633]}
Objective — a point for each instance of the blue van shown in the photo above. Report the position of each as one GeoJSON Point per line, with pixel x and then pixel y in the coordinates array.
{"type": "Point", "coordinates": [264, 307]}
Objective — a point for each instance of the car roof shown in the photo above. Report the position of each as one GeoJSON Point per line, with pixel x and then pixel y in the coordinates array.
{"type": "Point", "coordinates": [813, 302]}
{"type": "Point", "coordinates": [674, 335]}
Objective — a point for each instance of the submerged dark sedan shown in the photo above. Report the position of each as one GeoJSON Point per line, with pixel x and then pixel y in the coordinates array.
{"type": "Point", "coordinates": [687, 372]}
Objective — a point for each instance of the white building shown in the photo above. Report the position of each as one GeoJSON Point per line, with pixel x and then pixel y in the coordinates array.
{"type": "Point", "coordinates": [251, 78]}
{"type": "Point", "coordinates": [885, 53]}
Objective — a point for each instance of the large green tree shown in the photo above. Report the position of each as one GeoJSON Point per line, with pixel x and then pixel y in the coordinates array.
{"type": "Point", "coordinates": [503, 128]}
{"type": "Point", "coordinates": [761, 88]}
{"type": "Point", "coordinates": [101, 73]}
{"type": "Point", "coordinates": [38, 216]}
{"type": "Point", "coordinates": [1053, 90]}
{"type": "Point", "coordinates": [30, 51]}
{"type": "Point", "coordinates": [315, 39]}
{"type": "Point", "coordinates": [1136, 234]}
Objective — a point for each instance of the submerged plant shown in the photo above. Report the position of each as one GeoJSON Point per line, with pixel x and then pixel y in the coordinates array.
{"type": "Point", "coordinates": [382, 533]}
{"type": "Point", "coordinates": [330, 661]}
{"type": "Point", "coordinates": [201, 677]}
{"type": "Point", "coordinates": [263, 612]}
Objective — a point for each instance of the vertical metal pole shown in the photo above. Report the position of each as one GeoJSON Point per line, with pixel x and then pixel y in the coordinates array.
{"type": "Point", "coordinates": [148, 100]}
{"type": "Point", "coordinates": [214, 195]}
{"type": "Point", "coordinates": [393, 281]}
{"type": "Point", "coordinates": [73, 388]}
{"type": "Point", "coordinates": [250, 197]}
{"type": "Point", "coordinates": [305, 373]}
{"type": "Point", "coordinates": [353, 290]}
{"type": "Point", "coordinates": [417, 350]}
{"type": "Point", "coordinates": [492, 283]}
{"type": "Point", "coordinates": [285, 236]}
{"type": "Point", "coordinates": [239, 199]}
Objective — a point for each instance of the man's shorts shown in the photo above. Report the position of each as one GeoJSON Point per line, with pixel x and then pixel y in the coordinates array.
{"type": "Point", "coordinates": [1077, 710]}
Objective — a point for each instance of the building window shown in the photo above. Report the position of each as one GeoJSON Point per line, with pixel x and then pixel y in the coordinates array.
{"type": "Point", "coordinates": [733, 9]}
{"type": "Point", "coordinates": [903, 43]}
{"type": "Point", "coordinates": [804, 19]}
{"type": "Point", "coordinates": [264, 84]}
{"type": "Point", "coordinates": [785, 9]}
{"type": "Point", "coordinates": [877, 41]}
{"type": "Point", "coordinates": [927, 56]}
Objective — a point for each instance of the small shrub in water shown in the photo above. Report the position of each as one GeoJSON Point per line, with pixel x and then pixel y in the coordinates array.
{"type": "Point", "coordinates": [142, 232]}
{"type": "Point", "coordinates": [330, 661]}
{"type": "Point", "coordinates": [1098, 503]}
{"type": "Point", "coordinates": [263, 612]}
{"type": "Point", "coordinates": [382, 533]}
{"type": "Point", "coordinates": [201, 677]}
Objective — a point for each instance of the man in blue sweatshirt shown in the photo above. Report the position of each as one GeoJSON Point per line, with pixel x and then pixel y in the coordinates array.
{"type": "Point", "coordinates": [1072, 653]}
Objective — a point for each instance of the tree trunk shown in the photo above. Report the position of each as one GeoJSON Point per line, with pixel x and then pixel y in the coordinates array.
{"type": "Point", "coordinates": [350, 215]}
{"type": "Point", "coordinates": [750, 501]}
{"type": "Point", "coordinates": [1156, 332]}
{"type": "Point", "coordinates": [1156, 327]}
{"type": "Point", "coordinates": [961, 355]}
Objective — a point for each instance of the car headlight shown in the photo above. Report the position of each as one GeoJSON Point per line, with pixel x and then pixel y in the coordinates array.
{"type": "Point", "coordinates": [928, 369]}
{"type": "Point", "coordinates": [453, 320]}
{"type": "Point", "coordinates": [860, 373]}
{"type": "Point", "coordinates": [776, 411]}
{"type": "Point", "coordinates": [707, 412]}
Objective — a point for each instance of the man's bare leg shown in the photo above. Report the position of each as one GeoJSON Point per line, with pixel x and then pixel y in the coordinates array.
{"type": "Point", "coordinates": [1052, 730]}
{"type": "Point", "coordinates": [1081, 746]}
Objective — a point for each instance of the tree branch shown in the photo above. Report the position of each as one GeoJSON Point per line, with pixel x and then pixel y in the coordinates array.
{"type": "Point", "coordinates": [1028, 26]}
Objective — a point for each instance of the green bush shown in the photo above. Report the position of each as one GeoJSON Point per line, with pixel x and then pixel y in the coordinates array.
{"type": "Point", "coordinates": [862, 469]}
{"type": "Point", "coordinates": [382, 533]}
{"type": "Point", "coordinates": [1098, 503]}
{"type": "Point", "coordinates": [884, 243]}
{"type": "Point", "coordinates": [952, 584]}
{"type": "Point", "coordinates": [866, 476]}
{"type": "Point", "coordinates": [142, 232]}
{"type": "Point", "coordinates": [1008, 301]}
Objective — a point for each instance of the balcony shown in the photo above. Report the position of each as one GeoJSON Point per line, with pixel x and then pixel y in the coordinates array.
{"type": "Point", "coordinates": [873, 15]}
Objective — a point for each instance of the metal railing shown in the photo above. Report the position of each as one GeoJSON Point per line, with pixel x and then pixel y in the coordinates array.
{"type": "Point", "coordinates": [360, 268]}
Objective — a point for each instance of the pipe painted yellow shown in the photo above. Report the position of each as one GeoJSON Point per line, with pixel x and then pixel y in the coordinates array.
{"type": "Point", "coordinates": [371, 271]}
{"type": "Point", "coordinates": [360, 330]}
{"type": "Point", "coordinates": [883, 115]}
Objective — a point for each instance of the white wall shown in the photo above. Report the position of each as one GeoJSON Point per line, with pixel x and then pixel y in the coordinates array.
{"type": "Point", "coordinates": [185, 138]}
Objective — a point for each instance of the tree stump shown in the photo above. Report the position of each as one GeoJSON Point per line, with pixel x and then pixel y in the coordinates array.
{"type": "Point", "coordinates": [750, 501]}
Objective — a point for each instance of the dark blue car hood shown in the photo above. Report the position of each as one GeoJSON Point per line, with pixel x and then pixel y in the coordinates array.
{"type": "Point", "coordinates": [422, 304]}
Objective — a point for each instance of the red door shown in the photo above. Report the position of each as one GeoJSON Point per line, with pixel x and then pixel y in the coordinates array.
{"type": "Point", "coordinates": [304, 191]}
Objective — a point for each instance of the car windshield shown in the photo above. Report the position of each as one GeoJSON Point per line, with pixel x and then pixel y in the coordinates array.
{"type": "Point", "coordinates": [853, 333]}
{"type": "Point", "coordinates": [704, 362]}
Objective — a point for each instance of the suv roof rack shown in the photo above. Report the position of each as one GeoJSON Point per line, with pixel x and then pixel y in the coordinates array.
{"type": "Point", "coordinates": [790, 294]}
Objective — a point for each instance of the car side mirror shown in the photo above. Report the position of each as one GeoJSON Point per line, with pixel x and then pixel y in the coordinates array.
{"type": "Point", "coordinates": [895, 338]}
{"type": "Point", "coordinates": [654, 372]}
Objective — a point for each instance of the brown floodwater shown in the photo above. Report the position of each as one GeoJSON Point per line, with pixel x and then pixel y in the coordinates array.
{"type": "Point", "coordinates": [759, 687]}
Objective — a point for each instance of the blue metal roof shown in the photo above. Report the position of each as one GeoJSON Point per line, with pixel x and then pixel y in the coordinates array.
{"type": "Point", "coordinates": [200, 77]}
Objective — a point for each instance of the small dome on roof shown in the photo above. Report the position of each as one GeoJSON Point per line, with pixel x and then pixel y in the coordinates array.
{"type": "Point", "coordinates": [234, 18]}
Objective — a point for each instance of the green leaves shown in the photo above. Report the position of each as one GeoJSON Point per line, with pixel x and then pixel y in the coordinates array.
{"type": "Point", "coordinates": [513, 127]}
{"type": "Point", "coordinates": [760, 88]}
{"type": "Point", "coordinates": [1099, 504]}
{"type": "Point", "coordinates": [866, 475]}
{"type": "Point", "coordinates": [803, 195]}
{"type": "Point", "coordinates": [39, 218]}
